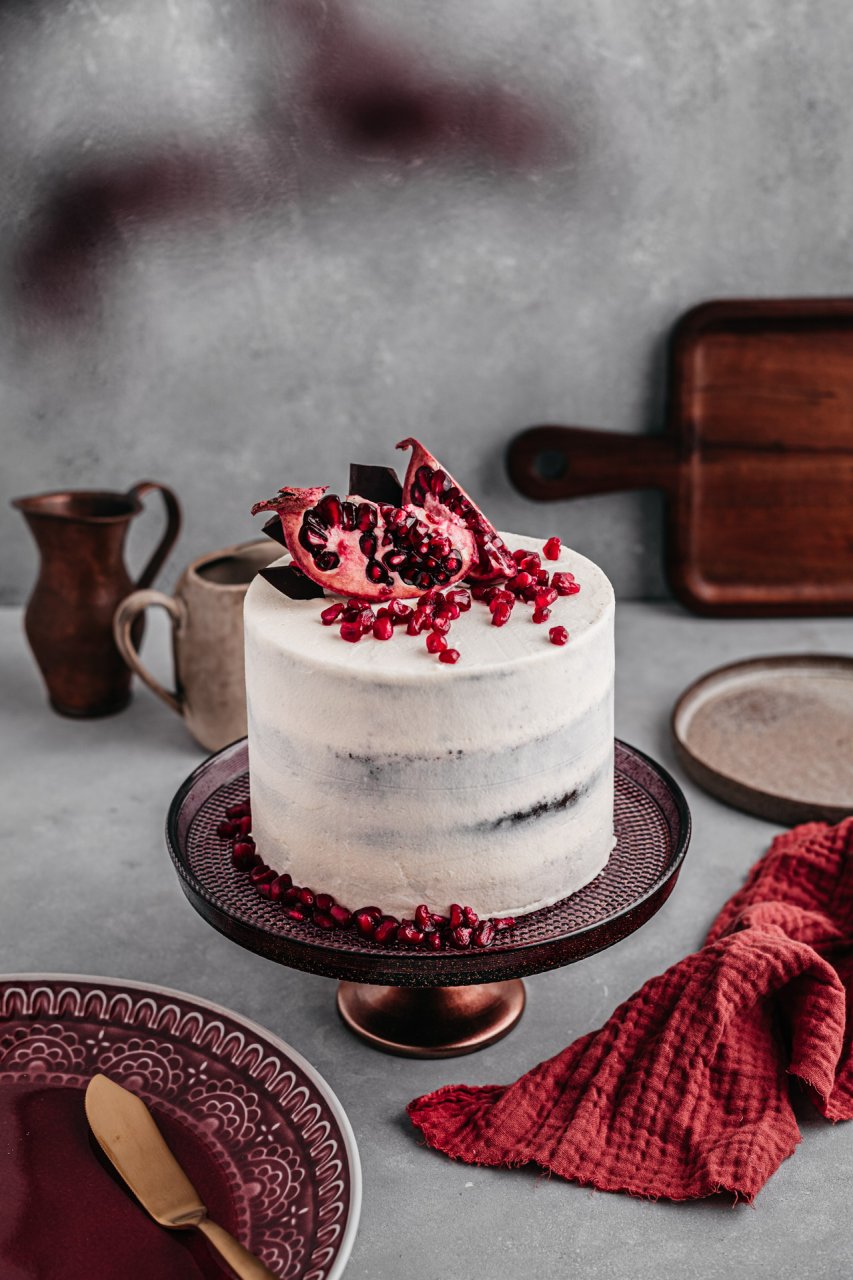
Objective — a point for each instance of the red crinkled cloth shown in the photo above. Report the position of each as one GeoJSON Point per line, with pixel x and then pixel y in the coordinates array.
{"type": "Point", "coordinates": [685, 1091]}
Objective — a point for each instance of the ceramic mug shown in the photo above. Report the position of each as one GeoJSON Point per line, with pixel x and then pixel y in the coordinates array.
{"type": "Point", "coordinates": [207, 640]}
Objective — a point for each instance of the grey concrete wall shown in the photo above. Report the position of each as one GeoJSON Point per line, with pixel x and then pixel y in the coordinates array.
{"type": "Point", "coordinates": [243, 243]}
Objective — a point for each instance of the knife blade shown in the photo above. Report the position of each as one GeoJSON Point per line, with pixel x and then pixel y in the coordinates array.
{"type": "Point", "coordinates": [128, 1135]}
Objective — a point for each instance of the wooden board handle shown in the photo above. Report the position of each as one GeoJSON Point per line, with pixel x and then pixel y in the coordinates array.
{"type": "Point", "coordinates": [549, 462]}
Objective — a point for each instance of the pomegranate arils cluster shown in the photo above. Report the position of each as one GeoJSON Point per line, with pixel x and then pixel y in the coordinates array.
{"type": "Point", "coordinates": [392, 539]}
{"type": "Point", "coordinates": [435, 611]}
{"type": "Point", "coordinates": [428, 485]}
{"type": "Point", "coordinates": [460, 929]}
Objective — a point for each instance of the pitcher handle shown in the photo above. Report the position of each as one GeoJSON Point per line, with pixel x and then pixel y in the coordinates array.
{"type": "Point", "coordinates": [125, 616]}
{"type": "Point", "coordinates": [173, 528]}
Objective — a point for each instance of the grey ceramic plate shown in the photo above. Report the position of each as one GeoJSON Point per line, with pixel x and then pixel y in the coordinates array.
{"type": "Point", "coordinates": [772, 736]}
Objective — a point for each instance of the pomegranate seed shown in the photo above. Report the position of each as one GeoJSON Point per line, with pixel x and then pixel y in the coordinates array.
{"type": "Point", "coordinates": [501, 602]}
{"type": "Point", "coordinates": [241, 810]}
{"type": "Point", "coordinates": [295, 914]}
{"type": "Point", "coordinates": [563, 583]}
{"type": "Point", "coordinates": [439, 921]}
{"type": "Point", "coordinates": [324, 902]}
{"type": "Point", "coordinates": [480, 591]}
{"type": "Point", "coordinates": [375, 912]}
{"type": "Point", "coordinates": [435, 642]}
{"type": "Point", "coordinates": [530, 562]}
{"type": "Point", "coordinates": [324, 920]}
{"type": "Point", "coordinates": [383, 628]}
{"type": "Point", "coordinates": [341, 917]}
{"type": "Point", "coordinates": [365, 924]}
{"type": "Point", "coordinates": [551, 550]}
{"type": "Point", "coordinates": [290, 896]}
{"type": "Point", "coordinates": [329, 508]}
{"type": "Point", "coordinates": [460, 597]}
{"type": "Point", "coordinates": [470, 916]}
{"type": "Point", "coordinates": [541, 615]}
{"type": "Point", "coordinates": [416, 623]}
{"type": "Point", "coordinates": [520, 555]}
{"type": "Point", "coordinates": [399, 611]}
{"type": "Point", "coordinates": [331, 614]}
{"type": "Point", "coordinates": [451, 611]}
{"type": "Point", "coordinates": [544, 598]}
{"type": "Point", "coordinates": [484, 934]}
{"type": "Point", "coordinates": [279, 886]}
{"type": "Point", "coordinates": [386, 929]}
{"type": "Point", "coordinates": [558, 635]}
{"type": "Point", "coordinates": [408, 933]}
{"type": "Point", "coordinates": [433, 941]}
{"type": "Point", "coordinates": [243, 855]}
{"type": "Point", "coordinates": [451, 656]}
{"type": "Point", "coordinates": [225, 829]}
{"type": "Point", "coordinates": [306, 897]}
{"type": "Point", "coordinates": [260, 873]}
{"type": "Point", "coordinates": [441, 623]}
{"type": "Point", "coordinates": [351, 631]}
{"type": "Point", "coordinates": [366, 517]}
{"type": "Point", "coordinates": [460, 938]}
{"type": "Point", "coordinates": [456, 916]}
{"type": "Point", "coordinates": [500, 616]}
{"type": "Point", "coordinates": [423, 917]}
{"type": "Point", "coordinates": [543, 578]}
{"type": "Point", "coordinates": [265, 888]}
{"type": "Point", "coordinates": [503, 922]}
{"type": "Point", "coordinates": [522, 581]}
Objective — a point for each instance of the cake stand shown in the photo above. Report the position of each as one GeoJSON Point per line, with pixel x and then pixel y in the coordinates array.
{"type": "Point", "coordinates": [429, 1004]}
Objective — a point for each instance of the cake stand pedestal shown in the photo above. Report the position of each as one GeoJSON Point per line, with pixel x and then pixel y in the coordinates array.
{"type": "Point", "coordinates": [431, 1022]}
{"type": "Point", "coordinates": [435, 1004]}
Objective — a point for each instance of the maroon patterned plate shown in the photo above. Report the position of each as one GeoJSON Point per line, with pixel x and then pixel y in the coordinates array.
{"type": "Point", "coordinates": [261, 1135]}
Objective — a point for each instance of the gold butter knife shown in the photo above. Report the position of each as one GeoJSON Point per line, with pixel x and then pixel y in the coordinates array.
{"type": "Point", "coordinates": [129, 1137]}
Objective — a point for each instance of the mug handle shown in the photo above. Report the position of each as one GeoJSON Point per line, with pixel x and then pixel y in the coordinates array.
{"type": "Point", "coordinates": [125, 616]}
{"type": "Point", "coordinates": [170, 536]}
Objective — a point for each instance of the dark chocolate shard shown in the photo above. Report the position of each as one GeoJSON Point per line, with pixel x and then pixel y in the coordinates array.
{"type": "Point", "coordinates": [273, 530]}
{"type": "Point", "coordinates": [292, 582]}
{"type": "Point", "coordinates": [376, 484]}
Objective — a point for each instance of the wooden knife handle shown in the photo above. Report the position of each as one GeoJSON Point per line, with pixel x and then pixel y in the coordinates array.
{"type": "Point", "coordinates": [242, 1263]}
{"type": "Point", "coordinates": [549, 462]}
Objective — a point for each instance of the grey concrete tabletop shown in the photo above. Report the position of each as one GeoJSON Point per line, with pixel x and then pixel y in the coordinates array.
{"type": "Point", "coordinates": [87, 887]}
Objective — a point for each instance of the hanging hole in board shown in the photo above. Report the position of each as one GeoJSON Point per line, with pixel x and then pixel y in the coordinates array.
{"type": "Point", "coordinates": [550, 464]}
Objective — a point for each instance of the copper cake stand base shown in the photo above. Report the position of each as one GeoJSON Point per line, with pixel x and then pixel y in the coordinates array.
{"type": "Point", "coordinates": [435, 1004]}
{"type": "Point", "coordinates": [431, 1022]}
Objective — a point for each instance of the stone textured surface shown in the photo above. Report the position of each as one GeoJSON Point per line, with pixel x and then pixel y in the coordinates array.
{"type": "Point", "coordinates": [490, 216]}
{"type": "Point", "coordinates": [88, 888]}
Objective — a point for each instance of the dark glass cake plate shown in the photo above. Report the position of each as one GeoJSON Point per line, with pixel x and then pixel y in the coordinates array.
{"type": "Point", "coordinates": [425, 1003]}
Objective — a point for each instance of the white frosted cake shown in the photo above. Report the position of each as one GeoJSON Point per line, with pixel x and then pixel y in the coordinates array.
{"type": "Point", "coordinates": [382, 776]}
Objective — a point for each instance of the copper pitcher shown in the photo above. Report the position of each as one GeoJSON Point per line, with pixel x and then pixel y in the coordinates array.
{"type": "Point", "coordinates": [80, 535]}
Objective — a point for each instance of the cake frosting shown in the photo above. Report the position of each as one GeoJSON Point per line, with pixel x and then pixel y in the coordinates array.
{"type": "Point", "coordinates": [382, 776]}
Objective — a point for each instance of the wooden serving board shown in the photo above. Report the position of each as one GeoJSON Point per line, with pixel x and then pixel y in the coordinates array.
{"type": "Point", "coordinates": [756, 458]}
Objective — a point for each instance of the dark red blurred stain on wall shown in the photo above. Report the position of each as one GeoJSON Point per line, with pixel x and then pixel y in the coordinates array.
{"type": "Point", "coordinates": [374, 97]}
{"type": "Point", "coordinates": [364, 98]}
